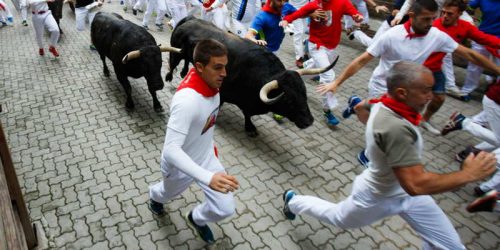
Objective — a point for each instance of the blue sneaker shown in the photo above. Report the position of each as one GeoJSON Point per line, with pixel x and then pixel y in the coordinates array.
{"type": "Point", "coordinates": [362, 159]}
{"type": "Point", "coordinates": [351, 103]}
{"type": "Point", "coordinates": [455, 123]}
{"type": "Point", "coordinates": [203, 231]}
{"type": "Point", "coordinates": [465, 98]}
{"type": "Point", "coordinates": [156, 208]}
{"type": "Point", "coordinates": [287, 196]}
{"type": "Point", "coordinates": [330, 118]}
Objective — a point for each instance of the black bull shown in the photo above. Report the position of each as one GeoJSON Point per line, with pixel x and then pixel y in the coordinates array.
{"type": "Point", "coordinates": [257, 81]}
{"type": "Point", "coordinates": [132, 50]}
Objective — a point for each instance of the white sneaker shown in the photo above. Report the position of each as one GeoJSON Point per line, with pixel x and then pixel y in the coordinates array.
{"type": "Point", "coordinates": [431, 129]}
{"type": "Point", "coordinates": [454, 91]}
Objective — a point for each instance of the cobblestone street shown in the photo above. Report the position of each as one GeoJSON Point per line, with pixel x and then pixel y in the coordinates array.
{"type": "Point", "coordinates": [85, 162]}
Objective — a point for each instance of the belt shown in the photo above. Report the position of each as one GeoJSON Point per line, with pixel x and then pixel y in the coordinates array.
{"type": "Point", "coordinates": [39, 12]}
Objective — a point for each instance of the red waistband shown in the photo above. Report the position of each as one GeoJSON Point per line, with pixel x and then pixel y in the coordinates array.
{"type": "Point", "coordinates": [39, 12]}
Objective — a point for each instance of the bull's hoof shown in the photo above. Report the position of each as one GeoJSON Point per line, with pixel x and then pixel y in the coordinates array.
{"type": "Point", "coordinates": [129, 105]}
{"type": "Point", "coordinates": [158, 108]}
{"type": "Point", "coordinates": [106, 73]}
{"type": "Point", "coordinates": [252, 134]}
{"type": "Point", "coordinates": [169, 77]}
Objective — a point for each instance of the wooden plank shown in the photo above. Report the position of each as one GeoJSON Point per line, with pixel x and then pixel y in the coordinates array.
{"type": "Point", "coordinates": [15, 192]}
{"type": "Point", "coordinates": [10, 236]}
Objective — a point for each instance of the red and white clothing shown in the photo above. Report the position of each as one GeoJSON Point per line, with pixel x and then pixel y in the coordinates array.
{"type": "Point", "coordinates": [42, 18]}
{"type": "Point", "coordinates": [324, 36]}
{"type": "Point", "coordinates": [398, 44]}
{"type": "Point", "coordinates": [189, 152]}
{"type": "Point", "coordinates": [219, 15]}
{"type": "Point", "coordinates": [459, 32]}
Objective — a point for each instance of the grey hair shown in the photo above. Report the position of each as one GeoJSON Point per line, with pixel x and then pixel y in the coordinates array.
{"type": "Point", "coordinates": [403, 74]}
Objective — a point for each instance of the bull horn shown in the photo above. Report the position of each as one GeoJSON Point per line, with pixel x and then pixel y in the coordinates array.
{"type": "Point", "coordinates": [316, 71]}
{"type": "Point", "coordinates": [169, 49]}
{"type": "Point", "coordinates": [264, 91]}
{"type": "Point", "coordinates": [131, 55]}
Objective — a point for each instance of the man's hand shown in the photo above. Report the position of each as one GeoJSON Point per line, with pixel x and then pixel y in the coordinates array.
{"type": "Point", "coordinates": [318, 15]}
{"type": "Point", "coordinates": [224, 183]}
{"type": "Point", "coordinates": [394, 12]}
{"type": "Point", "coordinates": [382, 8]}
{"type": "Point", "coordinates": [480, 166]}
{"type": "Point", "coordinates": [283, 23]}
{"type": "Point", "coordinates": [395, 21]}
{"type": "Point", "coordinates": [260, 42]}
{"type": "Point", "coordinates": [357, 18]}
{"type": "Point", "coordinates": [323, 88]}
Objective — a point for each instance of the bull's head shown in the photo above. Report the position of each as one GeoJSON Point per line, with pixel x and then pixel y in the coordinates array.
{"type": "Point", "coordinates": [287, 95]}
{"type": "Point", "coordinates": [151, 63]}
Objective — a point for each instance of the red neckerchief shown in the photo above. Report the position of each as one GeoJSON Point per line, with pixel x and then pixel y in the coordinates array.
{"type": "Point", "coordinates": [194, 81]}
{"type": "Point", "coordinates": [400, 108]}
{"type": "Point", "coordinates": [493, 51]}
{"type": "Point", "coordinates": [267, 8]}
{"type": "Point", "coordinates": [411, 35]}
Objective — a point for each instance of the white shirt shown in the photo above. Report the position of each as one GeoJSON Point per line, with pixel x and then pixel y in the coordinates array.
{"type": "Point", "coordinates": [189, 142]}
{"type": "Point", "coordinates": [37, 5]}
{"type": "Point", "coordinates": [394, 46]}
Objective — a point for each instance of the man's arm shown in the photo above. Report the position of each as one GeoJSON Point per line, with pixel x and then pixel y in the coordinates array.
{"type": "Point", "coordinates": [304, 11]}
{"type": "Point", "coordinates": [476, 58]}
{"type": "Point", "coordinates": [416, 181]}
{"type": "Point", "coordinates": [482, 38]}
{"type": "Point", "coordinates": [351, 69]}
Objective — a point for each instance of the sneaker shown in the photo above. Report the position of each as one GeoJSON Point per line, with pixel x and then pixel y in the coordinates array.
{"type": "Point", "coordinates": [156, 208]}
{"type": "Point", "coordinates": [122, 2]}
{"type": "Point", "coordinates": [145, 26]}
{"type": "Point", "coordinates": [431, 129]}
{"type": "Point", "coordinates": [485, 203]}
{"type": "Point", "coordinates": [159, 26]}
{"type": "Point", "coordinates": [465, 97]}
{"type": "Point", "coordinates": [351, 103]}
{"type": "Point", "coordinates": [455, 123]}
{"type": "Point", "coordinates": [350, 32]}
{"type": "Point", "coordinates": [41, 52]}
{"type": "Point", "coordinates": [478, 192]}
{"type": "Point", "coordinates": [10, 20]}
{"type": "Point", "coordinates": [330, 118]}
{"type": "Point", "coordinates": [203, 231]}
{"type": "Point", "coordinates": [362, 159]}
{"type": "Point", "coordinates": [460, 156]}
{"type": "Point", "coordinates": [315, 78]}
{"type": "Point", "coordinates": [24, 23]}
{"type": "Point", "coordinates": [134, 12]}
{"type": "Point", "coordinates": [299, 63]}
{"type": "Point", "coordinates": [287, 196]}
{"type": "Point", "coordinates": [92, 47]}
{"type": "Point", "coordinates": [125, 9]}
{"type": "Point", "coordinates": [53, 50]}
{"type": "Point", "coordinates": [454, 91]}
{"type": "Point", "coordinates": [278, 118]}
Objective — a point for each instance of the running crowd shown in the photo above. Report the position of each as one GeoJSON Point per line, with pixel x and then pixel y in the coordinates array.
{"type": "Point", "coordinates": [408, 86]}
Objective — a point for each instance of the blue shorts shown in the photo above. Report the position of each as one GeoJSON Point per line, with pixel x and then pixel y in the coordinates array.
{"type": "Point", "coordinates": [439, 83]}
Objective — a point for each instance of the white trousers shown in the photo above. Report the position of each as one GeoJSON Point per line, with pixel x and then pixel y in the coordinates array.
{"type": "Point", "coordinates": [81, 15]}
{"type": "Point", "coordinates": [299, 36]}
{"type": "Point", "coordinates": [474, 71]}
{"type": "Point", "coordinates": [216, 206]}
{"type": "Point", "coordinates": [322, 58]}
{"type": "Point", "coordinates": [363, 207]}
{"type": "Point", "coordinates": [42, 21]}
{"type": "Point", "coordinates": [491, 138]}
{"type": "Point", "coordinates": [161, 8]}
{"type": "Point", "coordinates": [361, 7]}
{"type": "Point", "coordinates": [178, 10]}
{"type": "Point", "coordinates": [217, 16]}
{"type": "Point", "coordinates": [139, 4]}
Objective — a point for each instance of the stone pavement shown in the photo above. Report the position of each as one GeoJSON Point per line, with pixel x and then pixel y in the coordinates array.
{"type": "Point", "coordinates": [85, 162]}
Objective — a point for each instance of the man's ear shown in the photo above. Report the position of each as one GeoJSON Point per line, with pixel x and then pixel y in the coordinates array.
{"type": "Point", "coordinates": [199, 67]}
{"type": "Point", "coordinates": [401, 93]}
{"type": "Point", "coordinates": [411, 14]}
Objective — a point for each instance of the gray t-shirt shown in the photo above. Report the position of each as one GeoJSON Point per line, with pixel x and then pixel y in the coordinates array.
{"type": "Point", "coordinates": [391, 141]}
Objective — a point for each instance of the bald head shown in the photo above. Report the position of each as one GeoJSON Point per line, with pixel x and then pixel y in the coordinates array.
{"type": "Point", "coordinates": [404, 75]}
{"type": "Point", "coordinates": [410, 83]}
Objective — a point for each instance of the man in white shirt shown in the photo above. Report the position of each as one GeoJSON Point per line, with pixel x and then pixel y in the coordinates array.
{"type": "Point", "coordinates": [189, 154]}
{"type": "Point", "coordinates": [414, 41]}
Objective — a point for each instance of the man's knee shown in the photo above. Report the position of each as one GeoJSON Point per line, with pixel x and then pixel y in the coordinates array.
{"type": "Point", "coordinates": [224, 210]}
